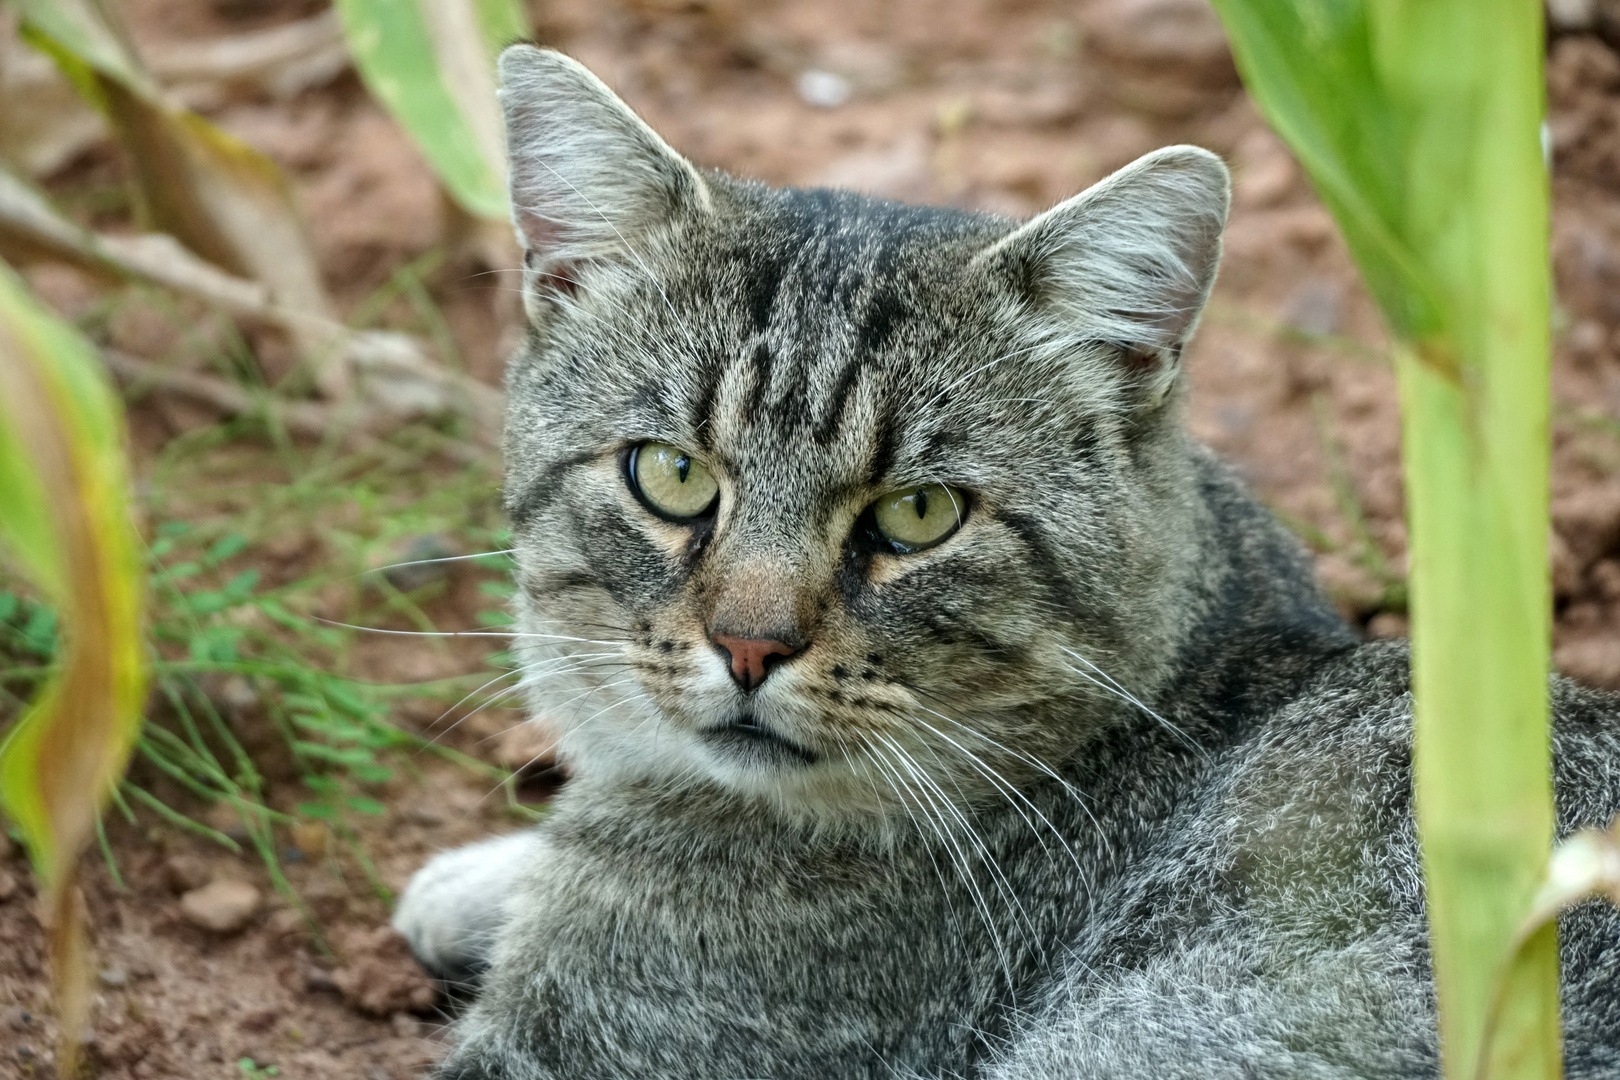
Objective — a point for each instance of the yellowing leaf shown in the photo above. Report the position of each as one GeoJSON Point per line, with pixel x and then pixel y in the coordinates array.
{"type": "Point", "coordinates": [64, 519]}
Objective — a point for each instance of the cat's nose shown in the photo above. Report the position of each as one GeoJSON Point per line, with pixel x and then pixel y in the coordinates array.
{"type": "Point", "coordinates": [751, 658]}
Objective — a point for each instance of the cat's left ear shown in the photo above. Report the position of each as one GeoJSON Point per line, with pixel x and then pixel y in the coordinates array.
{"type": "Point", "coordinates": [1127, 263]}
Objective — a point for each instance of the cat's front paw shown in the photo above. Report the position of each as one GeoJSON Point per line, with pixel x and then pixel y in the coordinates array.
{"type": "Point", "coordinates": [454, 907]}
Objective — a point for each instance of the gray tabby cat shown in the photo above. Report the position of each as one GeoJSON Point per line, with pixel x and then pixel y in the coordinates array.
{"type": "Point", "coordinates": [936, 706]}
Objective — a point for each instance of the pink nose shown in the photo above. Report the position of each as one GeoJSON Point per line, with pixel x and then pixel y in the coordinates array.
{"type": "Point", "coordinates": [749, 656]}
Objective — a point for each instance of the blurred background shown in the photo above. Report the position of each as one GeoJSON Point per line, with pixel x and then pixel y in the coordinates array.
{"type": "Point", "coordinates": [312, 375]}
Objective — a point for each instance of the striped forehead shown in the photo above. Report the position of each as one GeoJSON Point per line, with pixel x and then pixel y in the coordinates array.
{"type": "Point", "coordinates": [831, 295]}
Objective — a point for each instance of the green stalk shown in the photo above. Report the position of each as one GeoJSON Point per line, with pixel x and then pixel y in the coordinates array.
{"type": "Point", "coordinates": [1475, 423]}
{"type": "Point", "coordinates": [1419, 123]}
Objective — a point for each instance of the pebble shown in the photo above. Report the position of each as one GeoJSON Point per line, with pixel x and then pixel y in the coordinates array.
{"type": "Point", "coordinates": [1387, 624]}
{"type": "Point", "coordinates": [422, 561]}
{"type": "Point", "coordinates": [319, 980]}
{"type": "Point", "coordinates": [285, 923]}
{"type": "Point", "coordinates": [221, 906]}
{"type": "Point", "coordinates": [425, 813]}
{"type": "Point", "coordinates": [8, 886]}
{"type": "Point", "coordinates": [824, 89]}
{"type": "Point", "coordinates": [311, 838]}
{"type": "Point", "coordinates": [113, 976]}
{"type": "Point", "coordinates": [183, 873]}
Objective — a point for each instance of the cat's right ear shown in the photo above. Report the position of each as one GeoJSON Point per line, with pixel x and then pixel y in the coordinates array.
{"type": "Point", "coordinates": [589, 180]}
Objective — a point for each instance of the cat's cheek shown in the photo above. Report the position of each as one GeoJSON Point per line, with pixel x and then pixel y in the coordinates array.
{"type": "Point", "coordinates": [886, 570]}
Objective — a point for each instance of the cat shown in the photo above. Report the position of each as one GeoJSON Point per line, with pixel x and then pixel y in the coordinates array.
{"type": "Point", "coordinates": [936, 706]}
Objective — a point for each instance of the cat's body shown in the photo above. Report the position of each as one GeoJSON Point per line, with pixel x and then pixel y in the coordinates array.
{"type": "Point", "coordinates": [1093, 782]}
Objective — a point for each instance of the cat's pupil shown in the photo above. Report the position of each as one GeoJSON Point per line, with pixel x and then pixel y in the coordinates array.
{"type": "Point", "coordinates": [920, 502]}
{"type": "Point", "coordinates": [683, 465]}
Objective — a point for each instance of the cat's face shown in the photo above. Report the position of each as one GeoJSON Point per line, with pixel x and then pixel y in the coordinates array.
{"type": "Point", "coordinates": [826, 499]}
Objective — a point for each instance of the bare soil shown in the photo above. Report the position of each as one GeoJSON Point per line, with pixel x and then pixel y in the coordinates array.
{"type": "Point", "coordinates": [1005, 106]}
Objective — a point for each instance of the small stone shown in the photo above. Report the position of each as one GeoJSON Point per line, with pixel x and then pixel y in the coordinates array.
{"type": "Point", "coordinates": [824, 89]}
{"type": "Point", "coordinates": [183, 873]}
{"type": "Point", "coordinates": [1314, 308]}
{"type": "Point", "coordinates": [1589, 521]}
{"type": "Point", "coordinates": [8, 886]}
{"type": "Point", "coordinates": [285, 923]}
{"type": "Point", "coordinates": [227, 819]}
{"type": "Point", "coordinates": [311, 838]}
{"type": "Point", "coordinates": [422, 561]}
{"type": "Point", "coordinates": [1570, 15]}
{"type": "Point", "coordinates": [1586, 338]}
{"type": "Point", "coordinates": [1593, 659]}
{"type": "Point", "coordinates": [405, 1025]}
{"type": "Point", "coordinates": [320, 981]}
{"type": "Point", "coordinates": [236, 693]}
{"type": "Point", "coordinates": [426, 813]}
{"type": "Point", "coordinates": [260, 1020]}
{"type": "Point", "coordinates": [113, 976]}
{"type": "Point", "coordinates": [222, 906]}
{"type": "Point", "coordinates": [1605, 578]}
{"type": "Point", "coordinates": [137, 956]}
{"type": "Point", "coordinates": [1386, 624]}
{"type": "Point", "coordinates": [17, 1019]}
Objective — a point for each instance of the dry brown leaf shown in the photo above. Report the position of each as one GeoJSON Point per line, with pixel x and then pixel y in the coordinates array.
{"type": "Point", "coordinates": [215, 194]}
{"type": "Point", "coordinates": [394, 376]}
{"type": "Point", "coordinates": [282, 61]}
{"type": "Point", "coordinates": [45, 123]}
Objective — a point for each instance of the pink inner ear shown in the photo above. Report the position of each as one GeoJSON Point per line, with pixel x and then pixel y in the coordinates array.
{"type": "Point", "coordinates": [559, 277]}
{"type": "Point", "coordinates": [540, 233]}
{"type": "Point", "coordinates": [541, 236]}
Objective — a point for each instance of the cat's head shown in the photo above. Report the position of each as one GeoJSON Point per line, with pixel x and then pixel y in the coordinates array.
{"type": "Point", "coordinates": [825, 498]}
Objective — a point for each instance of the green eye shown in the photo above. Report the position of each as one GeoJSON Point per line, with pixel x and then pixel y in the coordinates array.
{"type": "Point", "coordinates": [915, 518]}
{"type": "Point", "coordinates": [671, 482]}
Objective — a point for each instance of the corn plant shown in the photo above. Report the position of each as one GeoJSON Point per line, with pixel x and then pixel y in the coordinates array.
{"type": "Point", "coordinates": [1419, 126]}
{"type": "Point", "coordinates": [64, 520]}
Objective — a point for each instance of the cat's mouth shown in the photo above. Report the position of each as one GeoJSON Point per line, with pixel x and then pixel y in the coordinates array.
{"type": "Point", "coordinates": [747, 738]}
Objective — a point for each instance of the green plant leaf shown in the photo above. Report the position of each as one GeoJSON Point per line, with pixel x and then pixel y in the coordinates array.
{"type": "Point", "coordinates": [227, 546]}
{"type": "Point", "coordinates": [1419, 124]}
{"type": "Point", "coordinates": [430, 62]}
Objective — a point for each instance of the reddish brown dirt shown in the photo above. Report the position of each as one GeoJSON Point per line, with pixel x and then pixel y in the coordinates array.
{"type": "Point", "coordinates": [1006, 106]}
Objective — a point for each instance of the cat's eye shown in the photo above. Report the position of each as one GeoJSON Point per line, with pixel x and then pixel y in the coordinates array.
{"type": "Point", "coordinates": [670, 482]}
{"type": "Point", "coordinates": [914, 518]}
